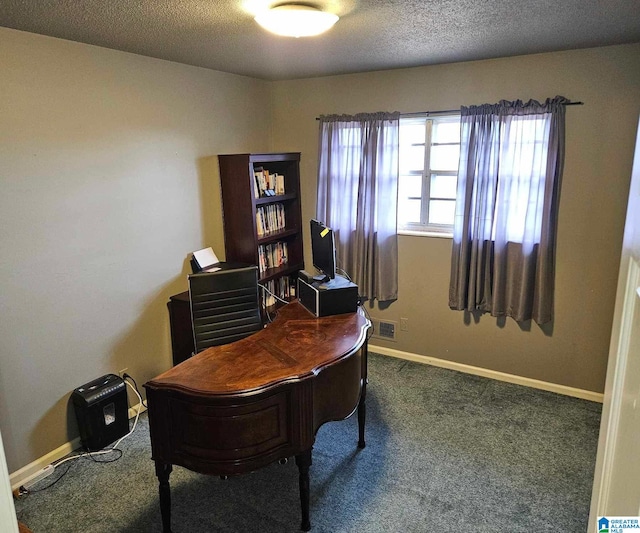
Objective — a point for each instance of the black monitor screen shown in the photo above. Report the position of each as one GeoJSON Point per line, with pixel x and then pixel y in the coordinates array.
{"type": "Point", "coordinates": [323, 249]}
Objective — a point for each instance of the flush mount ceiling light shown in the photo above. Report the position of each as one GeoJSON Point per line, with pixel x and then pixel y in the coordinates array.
{"type": "Point", "coordinates": [296, 20]}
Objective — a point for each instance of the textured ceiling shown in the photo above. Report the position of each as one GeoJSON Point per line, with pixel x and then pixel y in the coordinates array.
{"type": "Point", "coordinates": [370, 35]}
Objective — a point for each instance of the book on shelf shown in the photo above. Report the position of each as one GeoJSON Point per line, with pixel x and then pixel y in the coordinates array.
{"type": "Point", "coordinates": [259, 223]}
{"type": "Point", "coordinates": [272, 255]}
{"type": "Point", "coordinates": [270, 219]}
{"type": "Point", "coordinates": [266, 183]}
{"type": "Point", "coordinates": [256, 188]}
{"type": "Point", "coordinates": [259, 185]}
{"type": "Point", "coordinates": [283, 288]}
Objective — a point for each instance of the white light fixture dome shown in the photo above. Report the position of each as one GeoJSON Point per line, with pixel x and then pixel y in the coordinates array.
{"type": "Point", "coordinates": [296, 20]}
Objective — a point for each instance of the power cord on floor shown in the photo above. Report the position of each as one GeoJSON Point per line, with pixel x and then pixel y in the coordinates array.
{"type": "Point", "coordinates": [126, 376]}
{"type": "Point", "coordinates": [92, 455]}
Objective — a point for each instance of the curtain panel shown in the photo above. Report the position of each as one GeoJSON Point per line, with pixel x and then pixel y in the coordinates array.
{"type": "Point", "coordinates": [503, 256]}
{"type": "Point", "coordinates": [357, 197]}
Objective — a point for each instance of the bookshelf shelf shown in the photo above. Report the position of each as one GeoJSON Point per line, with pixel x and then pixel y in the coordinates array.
{"type": "Point", "coordinates": [275, 199]}
{"type": "Point", "coordinates": [287, 270]}
{"type": "Point", "coordinates": [277, 236]}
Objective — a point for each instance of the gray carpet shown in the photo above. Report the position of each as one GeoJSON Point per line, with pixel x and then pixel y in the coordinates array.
{"type": "Point", "coordinates": [446, 452]}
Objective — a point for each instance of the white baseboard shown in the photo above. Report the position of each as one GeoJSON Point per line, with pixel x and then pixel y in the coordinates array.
{"type": "Point", "coordinates": [30, 471]}
{"type": "Point", "coordinates": [133, 411]}
{"type": "Point", "coordinates": [493, 374]}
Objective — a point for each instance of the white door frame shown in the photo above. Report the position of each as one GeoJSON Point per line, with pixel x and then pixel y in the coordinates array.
{"type": "Point", "coordinates": [623, 319]}
{"type": "Point", "coordinates": [8, 521]}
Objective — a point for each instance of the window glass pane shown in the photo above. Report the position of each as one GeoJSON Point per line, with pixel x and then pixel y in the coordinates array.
{"type": "Point", "coordinates": [446, 132]}
{"type": "Point", "coordinates": [443, 186]}
{"type": "Point", "coordinates": [441, 211]}
{"type": "Point", "coordinates": [412, 132]}
{"type": "Point", "coordinates": [439, 138]}
{"type": "Point", "coordinates": [408, 211]}
{"type": "Point", "coordinates": [410, 185]}
{"type": "Point", "coordinates": [445, 157]}
{"type": "Point", "coordinates": [411, 158]}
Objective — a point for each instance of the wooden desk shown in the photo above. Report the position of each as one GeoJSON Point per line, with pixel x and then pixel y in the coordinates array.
{"type": "Point", "coordinates": [235, 408]}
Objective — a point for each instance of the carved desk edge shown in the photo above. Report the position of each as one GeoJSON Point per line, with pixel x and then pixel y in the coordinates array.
{"type": "Point", "coordinates": [167, 381]}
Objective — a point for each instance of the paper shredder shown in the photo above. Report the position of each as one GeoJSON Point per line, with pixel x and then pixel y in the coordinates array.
{"type": "Point", "coordinates": [102, 411]}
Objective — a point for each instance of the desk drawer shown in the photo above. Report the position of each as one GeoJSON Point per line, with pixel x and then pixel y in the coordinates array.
{"type": "Point", "coordinates": [206, 438]}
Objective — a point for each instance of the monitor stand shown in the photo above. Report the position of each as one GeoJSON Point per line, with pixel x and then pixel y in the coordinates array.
{"type": "Point", "coordinates": [336, 283]}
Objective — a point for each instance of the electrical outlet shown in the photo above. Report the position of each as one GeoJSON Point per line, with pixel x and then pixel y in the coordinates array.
{"type": "Point", "coordinates": [122, 372]}
{"type": "Point", "coordinates": [404, 324]}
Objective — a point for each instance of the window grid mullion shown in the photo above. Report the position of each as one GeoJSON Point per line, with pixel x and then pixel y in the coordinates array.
{"type": "Point", "coordinates": [426, 175]}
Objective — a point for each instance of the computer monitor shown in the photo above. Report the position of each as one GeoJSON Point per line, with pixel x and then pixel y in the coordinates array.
{"type": "Point", "coordinates": [323, 249]}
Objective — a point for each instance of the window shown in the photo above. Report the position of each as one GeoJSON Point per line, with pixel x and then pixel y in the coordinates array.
{"type": "Point", "coordinates": [520, 188]}
{"type": "Point", "coordinates": [503, 252]}
{"type": "Point", "coordinates": [429, 152]}
{"type": "Point", "coordinates": [357, 189]}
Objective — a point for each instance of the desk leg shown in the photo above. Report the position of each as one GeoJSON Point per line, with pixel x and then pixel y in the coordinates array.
{"type": "Point", "coordinates": [362, 413]}
{"type": "Point", "coordinates": [303, 461]}
{"type": "Point", "coordinates": [362, 408]}
{"type": "Point", "coordinates": [163, 471]}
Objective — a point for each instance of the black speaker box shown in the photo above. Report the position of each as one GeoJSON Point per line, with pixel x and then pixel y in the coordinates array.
{"type": "Point", "coordinates": [102, 411]}
{"type": "Point", "coordinates": [333, 297]}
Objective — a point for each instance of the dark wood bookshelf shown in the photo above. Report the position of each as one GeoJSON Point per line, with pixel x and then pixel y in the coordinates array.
{"type": "Point", "coordinates": [239, 205]}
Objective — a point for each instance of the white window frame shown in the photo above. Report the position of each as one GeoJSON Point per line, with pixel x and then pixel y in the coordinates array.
{"type": "Point", "coordinates": [423, 228]}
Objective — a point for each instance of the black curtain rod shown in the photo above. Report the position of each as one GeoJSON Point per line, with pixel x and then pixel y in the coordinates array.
{"type": "Point", "coordinates": [445, 111]}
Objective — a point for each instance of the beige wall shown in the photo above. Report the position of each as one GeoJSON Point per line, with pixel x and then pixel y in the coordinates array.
{"type": "Point", "coordinates": [106, 185]}
{"type": "Point", "coordinates": [600, 138]}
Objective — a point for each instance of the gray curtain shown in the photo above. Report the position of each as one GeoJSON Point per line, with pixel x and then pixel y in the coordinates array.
{"type": "Point", "coordinates": [503, 259]}
{"type": "Point", "coordinates": [357, 197]}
